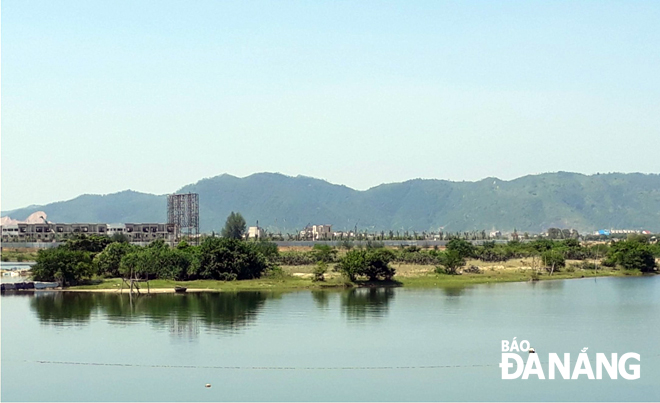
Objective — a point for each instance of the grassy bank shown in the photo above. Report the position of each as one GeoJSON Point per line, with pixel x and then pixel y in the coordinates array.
{"type": "Point", "coordinates": [413, 276]}
{"type": "Point", "coordinates": [18, 255]}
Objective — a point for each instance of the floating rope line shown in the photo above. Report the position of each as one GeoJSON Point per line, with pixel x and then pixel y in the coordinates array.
{"type": "Point", "coordinates": [269, 368]}
{"type": "Point", "coordinates": [275, 368]}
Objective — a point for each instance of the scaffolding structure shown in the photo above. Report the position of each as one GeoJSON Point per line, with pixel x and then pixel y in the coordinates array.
{"type": "Point", "coordinates": [183, 212]}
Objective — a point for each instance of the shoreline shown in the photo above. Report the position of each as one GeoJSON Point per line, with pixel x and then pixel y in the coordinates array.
{"type": "Point", "coordinates": [293, 282]}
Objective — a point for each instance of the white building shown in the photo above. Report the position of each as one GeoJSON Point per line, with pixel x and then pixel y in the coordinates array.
{"type": "Point", "coordinates": [255, 233]}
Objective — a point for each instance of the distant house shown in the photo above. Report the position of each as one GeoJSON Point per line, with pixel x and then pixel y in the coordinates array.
{"type": "Point", "coordinates": [495, 234]}
{"type": "Point", "coordinates": [255, 233]}
{"type": "Point", "coordinates": [316, 232]}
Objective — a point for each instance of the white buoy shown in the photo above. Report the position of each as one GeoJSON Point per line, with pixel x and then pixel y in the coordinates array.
{"type": "Point", "coordinates": [208, 385]}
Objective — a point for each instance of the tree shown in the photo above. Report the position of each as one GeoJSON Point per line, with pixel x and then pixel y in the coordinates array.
{"type": "Point", "coordinates": [65, 266]}
{"type": "Point", "coordinates": [234, 226]}
{"type": "Point", "coordinates": [87, 243]}
{"type": "Point", "coordinates": [324, 253]}
{"type": "Point", "coordinates": [373, 264]}
{"type": "Point", "coordinates": [319, 271]}
{"type": "Point", "coordinates": [634, 254]}
{"type": "Point", "coordinates": [119, 237]}
{"type": "Point", "coordinates": [107, 262]}
{"type": "Point", "coordinates": [268, 249]}
{"type": "Point", "coordinates": [553, 260]}
{"type": "Point", "coordinates": [450, 262]}
{"type": "Point", "coordinates": [228, 259]}
{"type": "Point", "coordinates": [464, 248]}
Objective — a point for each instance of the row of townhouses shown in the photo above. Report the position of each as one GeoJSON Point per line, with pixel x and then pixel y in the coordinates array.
{"type": "Point", "coordinates": [48, 232]}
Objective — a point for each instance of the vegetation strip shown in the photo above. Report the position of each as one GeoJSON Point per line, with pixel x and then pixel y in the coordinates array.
{"type": "Point", "coordinates": [231, 263]}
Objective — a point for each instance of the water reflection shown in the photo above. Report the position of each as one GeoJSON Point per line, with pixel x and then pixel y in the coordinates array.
{"type": "Point", "coordinates": [454, 291]}
{"type": "Point", "coordinates": [182, 315]}
{"type": "Point", "coordinates": [62, 308]}
{"type": "Point", "coordinates": [321, 298]}
{"type": "Point", "coordinates": [361, 303]}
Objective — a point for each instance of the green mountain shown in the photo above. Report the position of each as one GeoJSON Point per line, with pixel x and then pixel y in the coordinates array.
{"type": "Point", "coordinates": [531, 203]}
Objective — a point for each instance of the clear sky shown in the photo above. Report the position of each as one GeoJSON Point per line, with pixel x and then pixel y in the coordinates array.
{"type": "Point", "coordinates": [102, 96]}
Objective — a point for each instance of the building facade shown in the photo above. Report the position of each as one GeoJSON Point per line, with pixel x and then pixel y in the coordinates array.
{"type": "Point", "coordinates": [50, 232]}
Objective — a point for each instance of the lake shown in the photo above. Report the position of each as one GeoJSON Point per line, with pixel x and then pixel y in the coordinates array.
{"type": "Point", "coordinates": [392, 344]}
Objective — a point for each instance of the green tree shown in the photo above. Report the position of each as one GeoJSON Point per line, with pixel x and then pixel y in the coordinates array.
{"type": "Point", "coordinates": [227, 259]}
{"type": "Point", "coordinates": [464, 248]}
{"type": "Point", "coordinates": [373, 264]}
{"type": "Point", "coordinates": [68, 267]}
{"type": "Point", "coordinates": [119, 237]}
{"type": "Point", "coordinates": [553, 260]}
{"type": "Point", "coordinates": [450, 262]}
{"type": "Point", "coordinates": [87, 243]}
{"type": "Point", "coordinates": [107, 262]}
{"type": "Point", "coordinates": [319, 271]}
{"type": "Point", "coordinates": [268, 249]}
{"type": "Point", "coordinates": [324, 253]}
{"type": "Point", "coordinates": [634, 254]}
{"type": "Point", "coordinates": [234, 226]}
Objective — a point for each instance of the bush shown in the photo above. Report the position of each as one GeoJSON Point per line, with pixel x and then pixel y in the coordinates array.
{"type": "Point", "coordinates": [319, 271]}
{"type": "Point", "coordinates": [107, 262]}
{"type": "Point", "coordinates": [373, 264]}
{"type": "Point", "coordinates": [450, 261]}
{"type": "Point", "coordinates": [632, 254]}
{"type": "Point", "coordinates": [553, 260]}
{"type": "Point", "coordinates": [219, 257]}
{"type": "Point", "coordinates": [294, 258]}
{"type": "Point", "coordinates": [324, 253]}
{"type": "Point", "coordinates": [588, 266]}
{"type": "Point", "coordinates": [87, 243]}
{"type": "Point", "coordinates": [463, 248]}
{"type": "Point", "coordinates": [346, 244]}
{"type": "Point", "coordinates": [68, 267]}
{"type": "Point", "coordinates": [267, 248]}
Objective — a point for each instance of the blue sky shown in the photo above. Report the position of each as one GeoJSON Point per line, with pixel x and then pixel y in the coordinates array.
{"type": "Point", "coordinates": [99, 97]}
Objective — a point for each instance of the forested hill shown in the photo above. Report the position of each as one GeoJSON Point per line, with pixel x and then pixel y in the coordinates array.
{"type": "Point", "coordinates": [531, 203]}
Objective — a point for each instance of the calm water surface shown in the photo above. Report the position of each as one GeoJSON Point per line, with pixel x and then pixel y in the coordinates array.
{"type": "Point", "coordinates": [318, 346]}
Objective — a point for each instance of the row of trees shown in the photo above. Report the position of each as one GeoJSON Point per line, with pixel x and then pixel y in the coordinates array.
{"type": "Point", "coordinates": [635, 253]}
{"type": "Point", "coordinates": [83, 257]}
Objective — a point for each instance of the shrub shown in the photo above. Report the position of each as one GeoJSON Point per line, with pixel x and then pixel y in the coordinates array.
{"type": "Point", "coordinates": [87, 243]}
{"type": "Point", "coordinates": [346, 244]}
{"type": "Point", "coordinates": [473, 270]}
{"type": "Point", "coordinates": [324, 253]}
{"type": "Point", "coordinates": [219, 257]}
{"type": "Point", "coordinates": [107, 262]}
{"type": "Point", "coordinates": [373, 264]}
{"type": "Point", "coordinates": [553, 260]}
{"type": "Point", "coordinates": [319, 271]}
{"type": "Point", "coordinates": [266, 248]}
{"type": "Point", "coordinates": [588, 266]}
{"type": "Point", "coordinates": [294, 258]}
{"type": "Point", "coordinates": [632, 254]}
{"type": "Point", "coordinates": [451, 261]}
{"type": "Point", "coordinates": [463, 248]}
{"type": "Point", "coordinates": [68, 267]}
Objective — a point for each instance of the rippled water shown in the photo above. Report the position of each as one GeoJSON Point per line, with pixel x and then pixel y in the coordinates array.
{"type": "Point", "coordinates": [356, 345]}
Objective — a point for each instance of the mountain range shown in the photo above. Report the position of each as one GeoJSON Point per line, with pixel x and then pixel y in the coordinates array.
{"type": "Point", "coordinates": [531, 203]}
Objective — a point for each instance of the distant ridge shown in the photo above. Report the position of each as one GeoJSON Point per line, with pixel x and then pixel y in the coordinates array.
{"type": "Point", "coordinates": [530, 203]}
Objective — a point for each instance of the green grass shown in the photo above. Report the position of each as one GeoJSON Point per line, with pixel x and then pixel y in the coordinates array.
{"type": "Point", "coordinates": [445, 280]}
{"type": "Point", "coordinates": [275, 283]}
{"type": "Point", "coordinates": [18, 256]}
{"type": "Point", "coordinates": [289, 282]}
